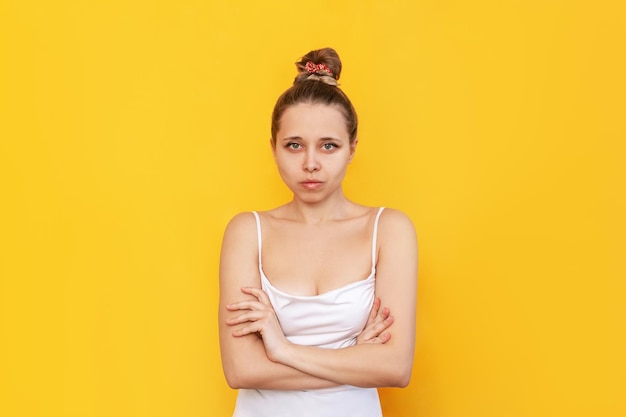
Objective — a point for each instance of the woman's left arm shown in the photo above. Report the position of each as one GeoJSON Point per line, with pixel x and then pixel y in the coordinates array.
{"type": "Point", "coordinates": [366, 365]}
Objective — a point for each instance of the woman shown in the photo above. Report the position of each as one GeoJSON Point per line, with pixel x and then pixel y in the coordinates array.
{"type": "Point", "coordinates": [301, 285]}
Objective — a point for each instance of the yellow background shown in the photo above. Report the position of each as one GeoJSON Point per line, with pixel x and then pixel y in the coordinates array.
{"type": "Point", "coordinates": [131, 131]}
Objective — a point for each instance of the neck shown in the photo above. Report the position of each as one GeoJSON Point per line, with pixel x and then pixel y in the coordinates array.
{"type": "Point", "coordinates": [320, 212]}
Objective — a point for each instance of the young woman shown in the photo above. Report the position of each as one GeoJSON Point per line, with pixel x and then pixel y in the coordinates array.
{"type": "Point", "coordinates": [301, 329]}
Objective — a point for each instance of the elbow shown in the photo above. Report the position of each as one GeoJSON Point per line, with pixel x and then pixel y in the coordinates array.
{"type": "Point", "coordinates": [232, 380]}
{"type": "Point", "coordinates": [233, 384]}
{"type": "Point", "coordinates": [236, 379]}
{"type": "Point", "coordinates": [399, 376]}
{"type": "Point", "coordinates": [241, 380]}
{"type": "Point", "coordinates": [403, 379]}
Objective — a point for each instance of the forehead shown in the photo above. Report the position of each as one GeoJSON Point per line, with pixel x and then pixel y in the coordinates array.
{"type": "Point", "coordinates": [313, 121]}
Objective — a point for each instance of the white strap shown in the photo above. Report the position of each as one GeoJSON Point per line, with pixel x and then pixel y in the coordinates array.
{"type": "Point", "coordinates": [380, 210]}
{"type": "Point", "coordinates": [258, 233]}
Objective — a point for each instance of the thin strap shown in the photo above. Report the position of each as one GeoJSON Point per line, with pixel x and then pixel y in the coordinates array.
{"type": "Point", "coordinates": [380, 210]}
{"type": "Point", "coordinates": [258, 233]}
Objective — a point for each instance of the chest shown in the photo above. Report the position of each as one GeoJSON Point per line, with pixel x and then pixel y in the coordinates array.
{"type": "Point", "coordinates": [315, 260]}
{"type": "Point", "coordinates": [332, 320]}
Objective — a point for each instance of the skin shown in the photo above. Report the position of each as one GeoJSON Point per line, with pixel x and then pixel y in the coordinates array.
{"type": "Point", "coordinates": [312, 152]}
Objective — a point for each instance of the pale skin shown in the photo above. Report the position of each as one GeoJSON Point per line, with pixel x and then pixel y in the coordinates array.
{"type": "Point", "coordinates": [318, 242]}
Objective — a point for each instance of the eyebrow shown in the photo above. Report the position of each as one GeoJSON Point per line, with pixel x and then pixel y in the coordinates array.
{"type": "Point", "coordinates": [288, 138]}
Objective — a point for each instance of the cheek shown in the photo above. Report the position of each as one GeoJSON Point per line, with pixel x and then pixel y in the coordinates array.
{"type": "Point", "coordinates": [286, 168]}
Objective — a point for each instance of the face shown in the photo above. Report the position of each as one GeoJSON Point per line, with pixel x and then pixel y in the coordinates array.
{"type": "Point", "coordinates": [313, 150]}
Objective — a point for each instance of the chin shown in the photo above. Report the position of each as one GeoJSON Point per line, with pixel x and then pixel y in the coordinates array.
{"type": "Point", "coordinates": [310, 198]}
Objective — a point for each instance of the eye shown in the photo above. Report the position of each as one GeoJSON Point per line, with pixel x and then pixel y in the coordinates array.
{"type": "Point", "coordinates": [293, 145]}
{"type": "Point", "coordinates": [329, 146]}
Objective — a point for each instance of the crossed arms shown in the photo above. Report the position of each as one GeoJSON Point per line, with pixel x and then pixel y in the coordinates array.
{"type": "Point", "coordinates": [255, 352]}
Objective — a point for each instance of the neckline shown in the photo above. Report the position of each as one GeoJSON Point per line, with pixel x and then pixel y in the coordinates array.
{"type": "Point", "coordinates": [370, 277]}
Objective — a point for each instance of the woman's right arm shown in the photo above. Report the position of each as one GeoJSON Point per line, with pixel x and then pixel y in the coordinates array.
{"type": "Point", "coordinates": [244, 360]}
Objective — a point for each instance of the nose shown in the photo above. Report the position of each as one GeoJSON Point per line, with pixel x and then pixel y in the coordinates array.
{"type": "Point", "coordinates": [311, 163]}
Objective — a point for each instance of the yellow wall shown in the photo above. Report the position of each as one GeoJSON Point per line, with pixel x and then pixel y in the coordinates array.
{"type": "Point", "coordinates": [131, 131]}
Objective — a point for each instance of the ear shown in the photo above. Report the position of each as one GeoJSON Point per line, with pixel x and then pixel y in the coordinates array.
{"type": "Point", "coordinates": [352, 149]}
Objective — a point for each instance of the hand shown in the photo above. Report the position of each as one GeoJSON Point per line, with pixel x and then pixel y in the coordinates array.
{"type": "Point", "coordinates": [259, 317]}
{"type": "Point", "coordinates": [374, 330]}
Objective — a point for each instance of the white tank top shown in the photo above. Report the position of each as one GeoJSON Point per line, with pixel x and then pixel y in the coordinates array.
{"type": "Point", "coordinates": [330, 320]}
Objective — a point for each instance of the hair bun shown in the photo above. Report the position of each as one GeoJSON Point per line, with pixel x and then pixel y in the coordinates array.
{"type": "Point", "coordinates": [321, 64]}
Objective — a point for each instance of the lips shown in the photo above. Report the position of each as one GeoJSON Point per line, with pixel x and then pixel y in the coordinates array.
{"type": "Point", "coordinates": [311, 184]}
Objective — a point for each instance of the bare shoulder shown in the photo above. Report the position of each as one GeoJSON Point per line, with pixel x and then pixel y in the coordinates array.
{"type": "Point", "coordinates": [396, 233]}
{"type": "Point", "coordinates": [395, 223]}
{"type": "Point", "coordinates": [239, 254]}
{"type": "Point", "coordinates": [241, 225]}
{"type": "Point", "coordinates": [398, 252]}
{"type": "Point", "coordinates": [240, 232]}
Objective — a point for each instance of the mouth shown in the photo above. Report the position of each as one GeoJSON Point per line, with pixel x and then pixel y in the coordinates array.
{"type": "Point", "coordinates": [311, 184]}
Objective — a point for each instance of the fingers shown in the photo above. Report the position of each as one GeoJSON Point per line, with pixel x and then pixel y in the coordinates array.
{"type": "Point", "coordinates": [380, 326]}
{"type": "Point", "coordinates": [377, 328]}
{"type": "Point", "coordinates": [374, 310]}
{"type": "Point", "coordinates": [252, 321]}
{"type": "Point", "coordinates": [384, 313]}
{"type": "Point", "coordinates": [263, 300]}
{"type": "Point", "coordinates": [248, 316]}
{"type": "Point", "coordinates": [378, 321]}
{"type": "Point", "coordinates": [251, 311]}
{"type": "Point", "coordinates": [255, 314]}
{"type": "Point", "coordinates": [382, 339]}
{"type": "Point", "coordinates": [246, 305]}
{"type": "Point", "coordinates": [251, 328]}
{"type": "Point", "coordinates": [258, 293]}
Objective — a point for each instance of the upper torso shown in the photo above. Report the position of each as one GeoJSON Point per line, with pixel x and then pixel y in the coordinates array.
{"type": "Point", "coordinates": [330, 319]}
{"type": "Point", "coordinates": [310, 259]}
